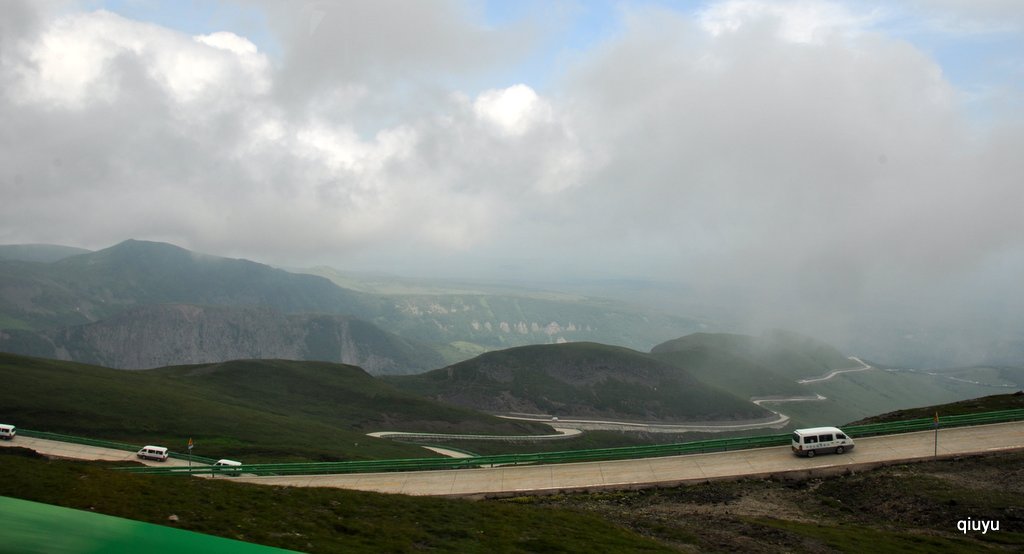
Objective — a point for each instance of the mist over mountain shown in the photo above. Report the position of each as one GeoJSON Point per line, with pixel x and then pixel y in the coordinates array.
{"type": "Point", "coordinates": [579, 380]}
{"type": "Point", "coordinates": [767, 365]}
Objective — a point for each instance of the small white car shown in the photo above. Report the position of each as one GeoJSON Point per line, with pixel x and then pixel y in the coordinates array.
{"type": "Point", "coordinates": [8, 432]}
{"type": "Point", "coordinates": [148, 452]}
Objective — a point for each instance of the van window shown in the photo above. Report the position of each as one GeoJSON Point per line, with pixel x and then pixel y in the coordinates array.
{"type": "Point", "coordinates": [809, 440]}
{"type": "Point", "coordinates": [840, 436]}
{"type": "Point", "coordinates": [825, 438]}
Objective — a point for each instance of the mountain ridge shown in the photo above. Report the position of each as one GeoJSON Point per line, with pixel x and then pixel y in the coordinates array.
{"type": "Point", "coordinates": [579, 380]}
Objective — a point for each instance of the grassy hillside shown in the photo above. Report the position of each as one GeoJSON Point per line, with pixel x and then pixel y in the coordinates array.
{"type": "Point", "coordinates": [313, 520]}
{"type": "Point", "coordinates": [997, 402]}
{"type": "Point", "coordinates": [579, 380]}
{"type": "Point", "coordinates": [854, 396]}
{"type": "Point", "coordinates": [752, 366]}
{"type": "Point", "coordinates": [249, 410]}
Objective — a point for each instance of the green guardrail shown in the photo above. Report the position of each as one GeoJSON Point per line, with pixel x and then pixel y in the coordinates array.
{"type": "Point", "coordinates": [591, 455]}
{"type": "Point", "coordinates": [106, 444]}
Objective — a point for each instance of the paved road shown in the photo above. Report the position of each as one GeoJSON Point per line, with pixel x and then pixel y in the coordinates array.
{"type": "Point", "coordinates": [83, 452]}
{"type": "Point", "coordinates": [776, 421]}
{"type": "Point", "coordinates": [666, 471]}
{"type": "Point", "coordinates": [561, 434]}
{"type": "Point", "coordinates": [616, 474]}
{"type": "Point", "coordinates": [831, 374]}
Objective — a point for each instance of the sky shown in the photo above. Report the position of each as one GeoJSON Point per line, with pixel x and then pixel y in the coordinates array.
{"type": "Point", "coordinates": [799, 157]}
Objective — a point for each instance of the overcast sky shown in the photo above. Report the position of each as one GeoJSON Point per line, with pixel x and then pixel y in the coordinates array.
{"type": "Point", "coordinates": [821, 151]}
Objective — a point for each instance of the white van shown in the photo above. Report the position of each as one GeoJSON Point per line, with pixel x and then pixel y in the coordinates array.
{"type": "Point", "coordinates": [7, 432]}
{"type": "Point", "coordinates": [158, 453]}
{"type": "Point", "coordinates": [808, 442]}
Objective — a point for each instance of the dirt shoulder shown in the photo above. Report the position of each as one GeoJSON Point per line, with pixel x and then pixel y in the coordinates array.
{"type": "Point", "coordinates": [908, 507]}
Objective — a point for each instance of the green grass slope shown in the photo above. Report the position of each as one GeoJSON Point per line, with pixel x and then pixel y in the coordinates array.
{"type": "Point", "coordinates": [854, 396]}
{"type": "Point", "coordinates": [579, 380]}
{"type": "Point", "coordinates": [768, 365]}
{"type": "Point", "coordinates": [993, 403]}
{"type": "Point", "coordinates": [250, 410]}
{"type": "Point", "coordinates": [312, 519]}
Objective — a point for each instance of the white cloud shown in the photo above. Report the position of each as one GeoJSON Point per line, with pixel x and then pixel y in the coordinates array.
{"type": "Point", "coordinates": [80, 58]}
{"type": "Point", "coordinates": [513, 110]}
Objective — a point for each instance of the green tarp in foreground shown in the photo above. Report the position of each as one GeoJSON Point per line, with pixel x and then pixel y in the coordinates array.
{"type": "Point", "coordinates": [31, 527]}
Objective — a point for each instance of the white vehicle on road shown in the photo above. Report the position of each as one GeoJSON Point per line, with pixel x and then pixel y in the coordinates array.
{"type": "Point", "coordinates": [148, 452]}
{"type": "Point", "coordinates": [7, 432]}
{"type": "Point", "coordinates": [808, 442]}
{"type": "Point", "coordinates": [229, 467]}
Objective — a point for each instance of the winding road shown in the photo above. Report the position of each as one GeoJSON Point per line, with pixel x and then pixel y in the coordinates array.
{"type": "Point", "coordinates": [831, 374]}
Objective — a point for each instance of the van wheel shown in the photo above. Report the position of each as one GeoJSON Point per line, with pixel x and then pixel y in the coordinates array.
{"type": "Point", "coordinates": [840, 450]}
{"type": "Point", "coordinates": [810, 453]}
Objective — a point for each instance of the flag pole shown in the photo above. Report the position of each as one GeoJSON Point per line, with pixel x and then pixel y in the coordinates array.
{"type": "Point", "coordinates": [936, 454]}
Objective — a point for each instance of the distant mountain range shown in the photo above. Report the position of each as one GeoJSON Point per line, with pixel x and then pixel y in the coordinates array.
{"type": "Point", "coordinates": [145, 304]}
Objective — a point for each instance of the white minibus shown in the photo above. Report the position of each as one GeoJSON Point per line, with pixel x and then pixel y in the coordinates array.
{"type": "Point", "coordinates": [158, 453]}
{"type": "Point", "coordinates": [808, 442]}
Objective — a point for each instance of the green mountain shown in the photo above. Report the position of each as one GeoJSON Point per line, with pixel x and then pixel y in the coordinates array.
{"type": "Point", "coordinates": [249, 410]}
{"type": "Point", "coordinates": [97, 285]}
{"type": "Point", "coordinates": [579, 380]}
{"type": "Point", "coordinates": [749, 366]}
{"type": "Point", "coordinates": [173, 334]}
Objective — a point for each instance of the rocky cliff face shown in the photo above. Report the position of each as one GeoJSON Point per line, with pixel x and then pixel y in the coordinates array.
{"type": "Point", "coordinates": [177, 334]}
